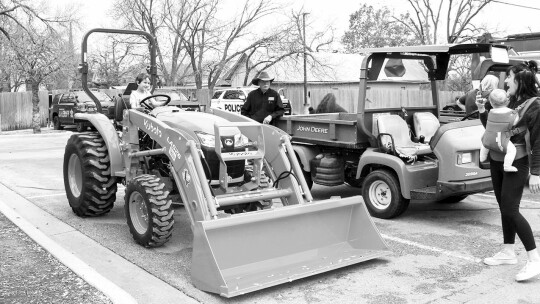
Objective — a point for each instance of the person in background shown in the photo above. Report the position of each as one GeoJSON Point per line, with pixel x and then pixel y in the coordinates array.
{"type": "Point", "coordinates": [509, 186]}
{"type": "Point", "coordinates": [329, 105]}
{"type": "Point", "coordinates": [468, 101]}
{"type": "Point", "coordinates": [263, 104]}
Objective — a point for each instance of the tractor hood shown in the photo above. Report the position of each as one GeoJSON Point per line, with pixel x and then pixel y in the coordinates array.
{"type": "Point", "coordinates": [192, 122]}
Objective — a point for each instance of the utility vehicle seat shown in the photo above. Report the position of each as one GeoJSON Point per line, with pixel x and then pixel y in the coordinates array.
{"type": "Point", "coordinates": [399, 130]}
{"type": "Point", "coordinates": [425, 124]}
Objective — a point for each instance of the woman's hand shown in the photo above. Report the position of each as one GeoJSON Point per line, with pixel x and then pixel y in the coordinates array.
{"type": "Point", "coordinates": [480, 102]}
{"type": "Point", "coordinates": [534, 184]}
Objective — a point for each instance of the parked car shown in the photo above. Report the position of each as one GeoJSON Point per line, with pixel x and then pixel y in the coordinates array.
{"type": "Point", "coordinates": [232, 99]}
{"type": "Point", "coordinates": [65, 105]}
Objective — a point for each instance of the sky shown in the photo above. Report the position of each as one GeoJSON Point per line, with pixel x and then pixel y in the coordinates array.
{"type": "Point", "coordinates": [506, 19]}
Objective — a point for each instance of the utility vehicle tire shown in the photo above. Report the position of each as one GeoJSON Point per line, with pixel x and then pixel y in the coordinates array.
{"type": "Point", "coordinates": [81, 127]}
{"type": "Point", "coordinates": [56, 123]}
{"type": "Point", "coordinates": [90, 188]}
{"type": "Point", "coordinates": [149, 210]}
{"type": "Point", "coordinates": [453, 199]}
{"type": "Point", "coordinates": [382, 195]}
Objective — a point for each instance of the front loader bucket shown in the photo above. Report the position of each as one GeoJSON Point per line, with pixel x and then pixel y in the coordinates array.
{"type": "Point", "coordinates": [256, 250]}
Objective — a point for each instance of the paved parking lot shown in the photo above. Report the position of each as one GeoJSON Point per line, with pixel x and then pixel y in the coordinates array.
{"type": "Point", "coordinates": [437, 248]}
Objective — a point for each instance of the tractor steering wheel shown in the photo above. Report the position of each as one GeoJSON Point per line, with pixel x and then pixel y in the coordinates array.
{"type": "Point", "coordinates": [151, 107]}
{"type": "Point", "coordinates": [473, 115]}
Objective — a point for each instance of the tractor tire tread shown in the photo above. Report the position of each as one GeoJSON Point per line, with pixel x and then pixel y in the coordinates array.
{"type": "Point", "coordinates": [99, 188]}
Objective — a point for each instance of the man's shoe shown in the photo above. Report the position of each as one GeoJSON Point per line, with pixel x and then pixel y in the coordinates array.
{"type": "Point", "coordinates": [501, 258]}
{"type": "Point", "coordinates": [530, 270]}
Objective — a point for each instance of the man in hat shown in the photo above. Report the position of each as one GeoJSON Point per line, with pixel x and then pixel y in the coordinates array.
{"type": "Point", "coordinates": [263, 104]}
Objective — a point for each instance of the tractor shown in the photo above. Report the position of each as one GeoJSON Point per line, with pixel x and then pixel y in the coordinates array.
{"type": "Point", "coordinates": [253, 218]}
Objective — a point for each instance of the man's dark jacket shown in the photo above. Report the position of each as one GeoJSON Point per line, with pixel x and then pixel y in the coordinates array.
{"type": "Point", "coordinates": [258, 105]}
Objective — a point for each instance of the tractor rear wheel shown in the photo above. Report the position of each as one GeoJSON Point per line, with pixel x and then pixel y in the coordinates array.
{"type": "Point", "coordinates": [382, 195]}
{"type": "Point", "coordinates": [149, 210]}
{"type": "Point", "coordinates": [90, 188]}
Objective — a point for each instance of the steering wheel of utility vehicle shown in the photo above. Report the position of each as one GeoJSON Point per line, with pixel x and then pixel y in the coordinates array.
{"type": "Point", "coordinates": [471, 116]}
{"type": "Point", "coordinates": [151, 107]}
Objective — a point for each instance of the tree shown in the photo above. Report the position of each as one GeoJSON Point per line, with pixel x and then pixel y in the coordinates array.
{"type": "Point", "coordinates": [429, 16]}
{"type": "Point", "coordinates": [286, 44]}
{"type": "Point", "coordinates": [114, 62]}
{"type": "Point", "coordinates": [370, 27]}
{"type": "Point", "coordinates": [213, 44]}
{"type": "Point", "coordinates": [39, 56]}
{"type": "Point", "coordinates": [167, 21]}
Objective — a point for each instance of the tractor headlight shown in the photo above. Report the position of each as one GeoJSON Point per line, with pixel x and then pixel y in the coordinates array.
{"type": "Point", "coordinates": [207, 140]}
{"type": "Point", "coordinates": [241, 140]}
{"type": "Point", "coordinates": [464, 158]}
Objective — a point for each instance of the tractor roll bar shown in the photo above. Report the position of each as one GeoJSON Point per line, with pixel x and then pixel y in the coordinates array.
{"type": "Point", "coordinates": [83, 66]}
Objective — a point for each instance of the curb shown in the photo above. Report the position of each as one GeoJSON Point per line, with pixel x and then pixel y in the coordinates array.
{"type": "Point", "coordinates": [111, 290]}
{"type": "Point", "coordinates": [116, 277]}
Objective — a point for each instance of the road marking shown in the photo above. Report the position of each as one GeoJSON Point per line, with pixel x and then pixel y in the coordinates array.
{"type": "Point", "coordinates": [46, 195]}
{"type": "Point", "coordinates": [431, 248]}
{"type": "Point", "coordinates": [493, 196]}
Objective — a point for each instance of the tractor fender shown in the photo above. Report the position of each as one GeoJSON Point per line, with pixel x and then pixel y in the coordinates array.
{"type": "Point", "coordinates": [370, 158]}
{"type": "Point", "coordinates": [304, 154]}
{"type": "Point", "coordinates": [108, 132]}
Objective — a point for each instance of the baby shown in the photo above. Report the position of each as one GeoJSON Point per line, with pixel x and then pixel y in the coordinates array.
{"type": "Point", "coordinates": [497, 137]}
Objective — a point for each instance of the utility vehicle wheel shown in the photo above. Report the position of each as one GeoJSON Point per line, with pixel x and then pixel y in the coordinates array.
{"type": "Point", "coordinates": [382, 195]}
{"type": "Point", "coordinates": [453, 199]}
{"type": "Point", "coordinates": [81, 127]}
{"type": "Point", "coordinates": [56, 123]}
{"type": "Point", "coordinates": [149, 210]}
{"type": "Point", "coordinates": [90, 188]}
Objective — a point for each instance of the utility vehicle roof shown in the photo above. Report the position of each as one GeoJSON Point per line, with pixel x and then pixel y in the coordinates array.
{"type": "Point", "coordinates": [452, 49]}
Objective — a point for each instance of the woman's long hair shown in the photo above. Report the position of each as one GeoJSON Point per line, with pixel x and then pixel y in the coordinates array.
{"type": "Point", "coordinates": [525, 77]}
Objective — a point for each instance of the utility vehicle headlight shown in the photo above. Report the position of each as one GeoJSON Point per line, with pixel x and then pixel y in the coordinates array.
{"type": "Point", "coordinates": [207, 140]}
{"type": "Point", "coordinates": [464, 158]}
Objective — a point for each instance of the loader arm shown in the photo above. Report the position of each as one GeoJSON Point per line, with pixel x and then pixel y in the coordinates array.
{"type": "Point", "coordinates": [184, 156]}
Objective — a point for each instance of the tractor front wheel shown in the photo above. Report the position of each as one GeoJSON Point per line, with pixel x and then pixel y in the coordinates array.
{"type": "Point", "coordinates": [90, 188]}
{"type": "Point", "coordinates": [149, 210]}
{"type": "Point", "coordinates": [382, 195]}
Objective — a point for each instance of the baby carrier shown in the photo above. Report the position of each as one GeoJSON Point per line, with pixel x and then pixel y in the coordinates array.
{"type": "Point", "coordinates": [500, 128]}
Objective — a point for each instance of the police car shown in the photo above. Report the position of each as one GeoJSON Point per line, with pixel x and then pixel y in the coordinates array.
{"type": "Point", "coordinates": [232, 99]}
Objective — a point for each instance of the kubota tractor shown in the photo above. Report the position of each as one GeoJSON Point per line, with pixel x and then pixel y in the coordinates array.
{"type": "Point", "coordinates": [226, 170]}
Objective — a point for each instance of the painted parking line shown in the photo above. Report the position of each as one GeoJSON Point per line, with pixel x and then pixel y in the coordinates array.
{"type": "Point", "coordinates": [45, 195]}
{"type": "Point", "coordinates": [449, 253]}
{"type": "Point", "coordinates": [493, 197]}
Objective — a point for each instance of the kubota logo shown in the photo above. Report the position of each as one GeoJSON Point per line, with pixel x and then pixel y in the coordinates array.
{"type": "Point", "coordinates": [228, 142]}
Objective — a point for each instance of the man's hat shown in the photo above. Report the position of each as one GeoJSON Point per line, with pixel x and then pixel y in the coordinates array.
{"type": "Point", "coordinates": [262, 76]}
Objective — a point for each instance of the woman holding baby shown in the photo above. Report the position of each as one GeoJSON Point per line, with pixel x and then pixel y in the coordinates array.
{"type": "Point", "coordinates": [509, 185]}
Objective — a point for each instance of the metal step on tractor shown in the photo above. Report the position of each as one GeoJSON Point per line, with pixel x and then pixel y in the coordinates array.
{"type": "Point", "coordinates": [254, 221]}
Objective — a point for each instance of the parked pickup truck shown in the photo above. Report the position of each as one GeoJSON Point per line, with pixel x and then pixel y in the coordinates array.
{"type": "Point", "coordinates": [395, 149]}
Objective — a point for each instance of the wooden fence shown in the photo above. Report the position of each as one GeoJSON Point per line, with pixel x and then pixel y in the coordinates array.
{"type": "Point", "coordinates": [348, 98]}
{"type": "Point", "coordinates": [16, 110]}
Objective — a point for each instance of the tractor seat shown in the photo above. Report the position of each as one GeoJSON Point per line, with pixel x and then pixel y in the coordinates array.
{"type": "Point", "coordinates": [425, 124]}
{"type": "Point", "coordinates": [398, 129]}
{"type": "Point", "coordinates": [120, 105]}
